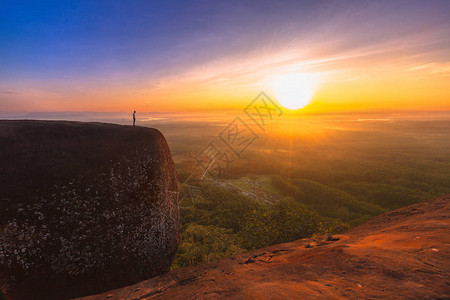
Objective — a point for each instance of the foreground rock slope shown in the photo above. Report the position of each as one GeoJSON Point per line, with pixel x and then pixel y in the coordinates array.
{"type": "Point", "coordinates": [403, 254]}
{"type": "Point", "coordinates": [85, 208]}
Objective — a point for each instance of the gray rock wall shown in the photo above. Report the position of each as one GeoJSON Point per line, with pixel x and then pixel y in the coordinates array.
{"type": "Point", "coordinates": [86, 207]}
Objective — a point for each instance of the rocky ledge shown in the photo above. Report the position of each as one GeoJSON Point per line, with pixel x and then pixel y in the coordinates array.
{"type": "Point", "coordinates": [403, 254]}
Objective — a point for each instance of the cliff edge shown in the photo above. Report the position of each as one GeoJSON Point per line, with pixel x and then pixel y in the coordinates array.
{"type": "Point", "coordinates": [85, 208]}
{"type": "Point", "coordinates": [402, 254]}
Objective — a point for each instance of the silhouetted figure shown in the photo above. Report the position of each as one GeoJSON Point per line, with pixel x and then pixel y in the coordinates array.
{"type": "Point", "coordinates": [134, 118]}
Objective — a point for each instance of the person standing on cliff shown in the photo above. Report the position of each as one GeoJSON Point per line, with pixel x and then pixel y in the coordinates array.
{"type": "Point", "coordinates": [134, 118]}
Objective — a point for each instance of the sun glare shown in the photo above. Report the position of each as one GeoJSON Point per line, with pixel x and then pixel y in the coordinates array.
{"type": "Point", "coordinates": [295, 90]}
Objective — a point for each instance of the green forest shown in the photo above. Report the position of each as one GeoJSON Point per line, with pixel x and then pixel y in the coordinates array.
{"type": "Point", "coordinates": [306, 184]}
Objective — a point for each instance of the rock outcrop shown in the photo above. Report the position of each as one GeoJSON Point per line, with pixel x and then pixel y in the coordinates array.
{"type": "Point", "coordinates": [85, 208]}
{"type": "Point", "coordinates": [403, 254]}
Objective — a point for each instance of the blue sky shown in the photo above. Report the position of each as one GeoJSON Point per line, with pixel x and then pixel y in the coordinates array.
{"type": "Point", "coordinates": [71, 37]}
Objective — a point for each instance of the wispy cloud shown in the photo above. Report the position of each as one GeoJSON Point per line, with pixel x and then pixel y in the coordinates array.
{"type": "Point", "coordinates": [9, 92]}
{"type": "Point", "coordinates": [436, 68]}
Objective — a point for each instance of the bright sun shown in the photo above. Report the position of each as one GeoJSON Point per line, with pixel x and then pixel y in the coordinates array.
{"type": "Point", "coordinates": [294, 90]}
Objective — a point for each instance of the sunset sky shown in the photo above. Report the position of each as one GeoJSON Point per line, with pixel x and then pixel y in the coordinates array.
{"type": "Point", "coordinates": [209, 55]}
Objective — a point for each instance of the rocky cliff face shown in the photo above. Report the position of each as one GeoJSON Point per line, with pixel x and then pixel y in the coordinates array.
{"type": "Point", "coordinates": [403, 254]}
{"type": "Point", "coordinates": [85, 207]}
